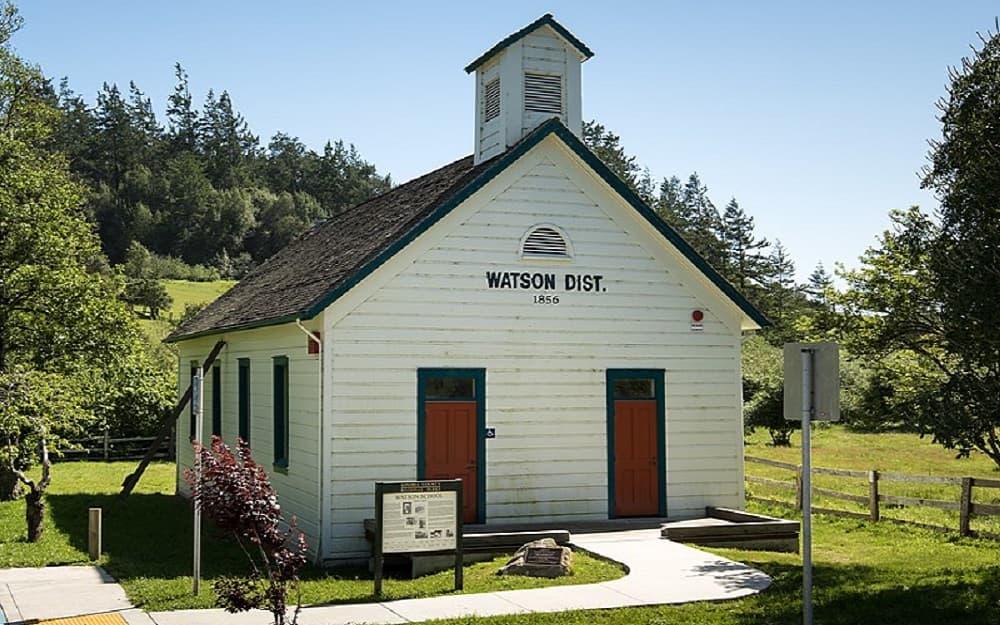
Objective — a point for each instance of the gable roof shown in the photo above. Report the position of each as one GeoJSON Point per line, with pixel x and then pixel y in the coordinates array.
{"type": "Point", "coordinates": [545, 20]}
{"type": "Point", "coordinates": [313, 271]}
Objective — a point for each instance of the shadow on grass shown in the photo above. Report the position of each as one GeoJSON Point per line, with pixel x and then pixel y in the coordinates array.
{"type": "Point", "coordinates": [852, 594]}
{"type": "Point", "coordinates": [147, 535]}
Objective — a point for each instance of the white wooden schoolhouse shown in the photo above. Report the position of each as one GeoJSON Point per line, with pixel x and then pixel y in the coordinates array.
{"type": "Point", "coordinates": [518, 318]}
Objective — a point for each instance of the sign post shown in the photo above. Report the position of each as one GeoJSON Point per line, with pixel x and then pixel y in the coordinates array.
{"type": "Point", "coordinates": [418, 517]}
{"type": "Point", "coordinates": [197, 384]}
{"type": "Point", "coordinates": [812, 391]}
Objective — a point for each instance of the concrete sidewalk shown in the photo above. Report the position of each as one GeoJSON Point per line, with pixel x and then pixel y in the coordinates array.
{"type": "Point", "coordinates": [63, 591]}
{"type": "Point", "coordinates": [660, 572]}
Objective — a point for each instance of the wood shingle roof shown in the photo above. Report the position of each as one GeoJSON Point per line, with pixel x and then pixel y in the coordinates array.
{"type": "Point", "coordinates": [287, 285]}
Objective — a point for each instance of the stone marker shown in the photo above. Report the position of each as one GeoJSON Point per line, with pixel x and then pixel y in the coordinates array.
{"type": "Point", "coordinates": [540, 558]}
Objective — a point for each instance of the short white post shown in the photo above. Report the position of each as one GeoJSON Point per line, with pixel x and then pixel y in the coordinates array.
{"type": "Point", "coordinates": [196, 399]}
{"type": "Point", "coordinates": [94, 533]}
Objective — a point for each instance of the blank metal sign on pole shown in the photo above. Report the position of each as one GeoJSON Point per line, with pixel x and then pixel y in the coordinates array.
{"type": "Point", "coordinates": [825, 383]}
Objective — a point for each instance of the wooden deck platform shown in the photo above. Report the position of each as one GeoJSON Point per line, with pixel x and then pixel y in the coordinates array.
{"type": "Point", "coordinates": [723, 527]}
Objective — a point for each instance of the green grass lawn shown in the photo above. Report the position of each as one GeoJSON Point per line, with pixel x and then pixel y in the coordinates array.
{"type": "Point", "coordinates": [184, 292]}
{"type": "Point", "coordinates": [834, 446]}
{"type": "Point", "coordinates": [864, 572]}
{"type": "Point", "coordinates": [147, 545]}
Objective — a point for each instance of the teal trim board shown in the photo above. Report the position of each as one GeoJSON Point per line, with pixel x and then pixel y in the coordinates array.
{"type": "Point", "coordinates": [545, 20]}
{"type": "Point", "coordinates": [657, 375]}
{"type": "Point", "coordinates": [479, 376]}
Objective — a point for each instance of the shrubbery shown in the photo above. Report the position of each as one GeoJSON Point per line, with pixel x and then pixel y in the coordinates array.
{"type": "Point", "coordinates": [236, 494]}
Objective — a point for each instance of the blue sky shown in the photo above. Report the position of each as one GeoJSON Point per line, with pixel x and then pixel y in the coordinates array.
{"type": "Point", "coordinates": [815, 116]}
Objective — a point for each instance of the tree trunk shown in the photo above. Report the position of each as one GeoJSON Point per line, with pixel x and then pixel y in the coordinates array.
{"type": "Point", "coordinates": [34, 514]}
{"type": "Point", "coordinates": [10, 487]}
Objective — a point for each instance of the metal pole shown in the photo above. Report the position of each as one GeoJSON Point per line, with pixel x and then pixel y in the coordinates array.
{"type": "Point", "coordinates": [807, 413]}
{"type": "Point", "coordinates": [196, 398]}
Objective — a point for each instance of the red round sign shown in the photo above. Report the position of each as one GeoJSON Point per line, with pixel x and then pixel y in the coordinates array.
{"type": "Point", "coordinates": [697, 315]}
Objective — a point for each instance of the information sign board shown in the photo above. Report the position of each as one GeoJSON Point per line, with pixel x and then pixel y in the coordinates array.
{"type": "Point", "coordinates": [418, 517]}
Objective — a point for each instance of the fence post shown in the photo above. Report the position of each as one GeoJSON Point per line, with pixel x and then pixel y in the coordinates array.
{"type": "Point", "coordinates": [873, 512]}
{"type": "Point", "coordinates": [107, 443]}
{"type": "Point", "coordinates": [965, 507]}
{"type": "Point", "coordinates": [798, 488]}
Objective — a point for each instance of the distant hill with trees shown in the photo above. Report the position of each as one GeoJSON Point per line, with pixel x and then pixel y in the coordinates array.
{"type": "Point", "coordinates": [199, 186]}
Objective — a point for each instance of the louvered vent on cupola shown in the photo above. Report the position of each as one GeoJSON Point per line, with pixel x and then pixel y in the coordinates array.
{"type": "Point", "coordinates": [545, 241]}
{"type": "Point", "coordinates": [543, 93]}
{"type": "Point", "coordinates": [491, 100]}
{"type": "Point", "coordinates": [525, 80]}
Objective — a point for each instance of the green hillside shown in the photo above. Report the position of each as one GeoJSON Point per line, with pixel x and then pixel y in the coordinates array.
{"type": "Point", "coordinates": [184, 293]}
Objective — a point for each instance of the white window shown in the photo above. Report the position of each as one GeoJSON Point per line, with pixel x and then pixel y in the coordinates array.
{"type": "Point", "coordinates": [546, 241]}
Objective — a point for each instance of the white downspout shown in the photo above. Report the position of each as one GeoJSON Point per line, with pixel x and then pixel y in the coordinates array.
{"type": "Point", "coordinates": [319, 444]}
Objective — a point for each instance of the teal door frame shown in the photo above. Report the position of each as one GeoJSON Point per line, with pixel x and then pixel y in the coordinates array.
{"type": "Point", "coordinates": [479, 375]}
{"type": "Point", "coordinates": [657, 375]}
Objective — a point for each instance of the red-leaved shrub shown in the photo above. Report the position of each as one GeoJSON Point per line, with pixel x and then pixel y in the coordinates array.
{"type": "Point", "coordinates": [236, 494]}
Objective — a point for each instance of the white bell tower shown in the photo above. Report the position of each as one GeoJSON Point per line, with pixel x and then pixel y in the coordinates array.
{"type": "Point", "coordinates": [529, 77]}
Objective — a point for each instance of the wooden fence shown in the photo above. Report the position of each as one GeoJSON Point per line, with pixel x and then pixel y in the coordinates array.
{"type": "Point", "coordinates": [106, 448]}
{"type": "Point", "coordinates": [965, 506]}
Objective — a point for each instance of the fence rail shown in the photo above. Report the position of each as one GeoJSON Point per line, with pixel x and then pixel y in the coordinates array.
{"type": "Point", "coordinates": [106, 448]}
{"type": "Point", "coordinates": [964, 506]}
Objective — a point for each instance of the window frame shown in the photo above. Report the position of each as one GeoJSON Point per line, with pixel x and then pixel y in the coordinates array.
{"type": "Point", "coordinates": [243, 409]}
{"type": "Point", "coordinates": [280, 423]}
{"type": "Point", "coordinates": [217, 400]}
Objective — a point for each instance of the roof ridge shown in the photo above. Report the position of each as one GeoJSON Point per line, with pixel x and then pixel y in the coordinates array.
{"type": "Point", "coordinates": [545, 20]}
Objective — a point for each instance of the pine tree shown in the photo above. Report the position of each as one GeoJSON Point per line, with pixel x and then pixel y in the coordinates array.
{"type": "Point", "coordinates": [699, 221]}
{"type": "Point", "coordinates": [226, 142]}
{"type": "Point", "coordinates": [744, 265]}
{"type": "Point", "coordinates": [781, 299]}
{"type": "Point", "coordinates": [670, 203]}
{"type": "Point", "coordinates": [820, 282]}
{"type": "Point", "coordinates": [607, 146]}
{"type": "Point", "coordinates": [183, 119]}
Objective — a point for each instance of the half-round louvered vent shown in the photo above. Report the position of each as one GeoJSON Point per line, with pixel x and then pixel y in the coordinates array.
{"type": "Point", "coordinates": [545, 241]}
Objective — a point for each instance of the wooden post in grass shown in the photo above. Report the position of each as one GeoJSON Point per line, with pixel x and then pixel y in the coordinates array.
{"type": "Point", "coordinates": [965, 507]}
{"type": "Point", "coordinates": [873, 495]}
{"type": "Point", "coordinates": [107, 444]}
{"type": "Point", "coordinates": [94, 533]}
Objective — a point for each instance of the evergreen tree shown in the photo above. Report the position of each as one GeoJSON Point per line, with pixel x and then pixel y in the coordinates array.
{"type": "Point", "coordinates": [288, 164]}
{"type": "Point", "coordinates": [607, 146]}
{"type": "Point", "coordinates": [699, 221]}
{"type": "Point", "coordinates": [670, 203]}
{"type": "Point", "coordinates": [74, 136]}
{"type": "Point", "coordinates": [781, 298]}
{"type": "Point", "coordinates": [744, 265]}
{"type": "Point", "coordinates": [182, 118]}
{"type": "Point", "coordinates": [341, 179]}
{"type": "Point", "coordinates": [226, 143]}
{"type": "Point", "coordinates": [820, 283]}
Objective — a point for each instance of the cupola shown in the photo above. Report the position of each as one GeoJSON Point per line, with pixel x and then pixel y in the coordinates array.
{"type": "Point", "coordinates": [529, 77]}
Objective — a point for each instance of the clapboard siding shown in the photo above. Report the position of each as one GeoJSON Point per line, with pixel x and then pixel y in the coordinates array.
{"type": "Point", "coordinates": [298, 488]}
{"type": "Point", "coordinates": [545, 365]}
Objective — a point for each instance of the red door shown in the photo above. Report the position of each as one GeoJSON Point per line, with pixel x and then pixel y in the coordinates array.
{"type": "Point", "coordinates": [637, 465]}
{"type": "Point", "coordinates": [450, 448]}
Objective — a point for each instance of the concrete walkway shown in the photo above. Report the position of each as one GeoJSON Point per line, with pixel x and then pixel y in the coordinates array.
{"type": "Point", "coordinates": [660, 572]}
{"type": "Point", "coordinates": [62, 591]}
